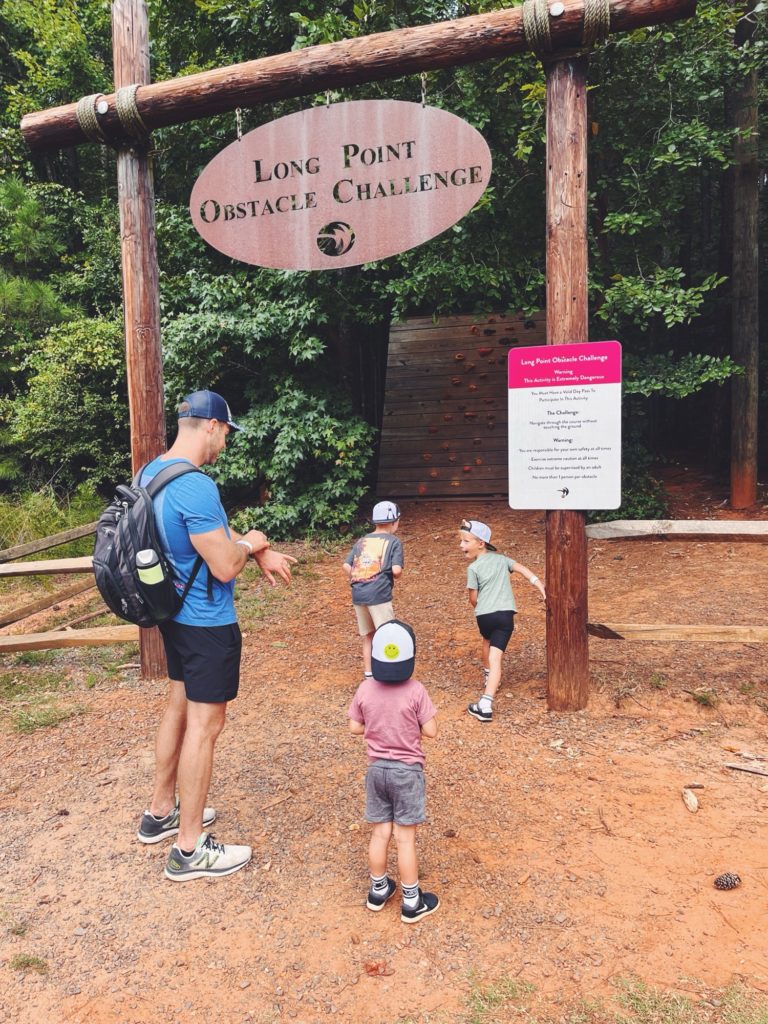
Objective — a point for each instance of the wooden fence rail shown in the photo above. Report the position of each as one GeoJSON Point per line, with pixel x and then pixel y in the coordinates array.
{"type": "Point", "coordinates": [723, 530]}
{"type": "Point", "coordinates": [43, 543]}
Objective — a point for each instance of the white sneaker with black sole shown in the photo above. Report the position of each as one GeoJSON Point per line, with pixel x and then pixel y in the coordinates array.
{"type": "Point", "coordinates": [154, 830]}
{"type": "Point", "coordinates": [209, 859]}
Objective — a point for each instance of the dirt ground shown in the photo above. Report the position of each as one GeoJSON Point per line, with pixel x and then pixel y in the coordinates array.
{"type": "Point", "coordinates": [559, 844]}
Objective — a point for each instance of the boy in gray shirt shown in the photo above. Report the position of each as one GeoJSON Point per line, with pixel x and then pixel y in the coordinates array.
{"type": "Point", "coordinates": [373, 564]}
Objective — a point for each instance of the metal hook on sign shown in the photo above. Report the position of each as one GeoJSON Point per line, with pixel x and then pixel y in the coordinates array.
{"type": "Point", "coordinates": [239, 123]}
{"type": "Point", "coordinates": [423, 88]}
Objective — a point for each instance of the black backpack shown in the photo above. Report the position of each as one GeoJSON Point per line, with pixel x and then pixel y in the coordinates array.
{"type": "Point", "coordinates": [125, 528]}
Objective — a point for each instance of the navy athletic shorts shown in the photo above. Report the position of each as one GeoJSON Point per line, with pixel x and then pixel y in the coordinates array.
{"type": "Point", "coordinates": [496, 628]}
{"type": "Point", "coordinates": [205, 658]}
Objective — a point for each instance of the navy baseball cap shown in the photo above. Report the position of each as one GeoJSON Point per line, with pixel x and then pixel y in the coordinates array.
{"type": "Point", "coordinates": [207, 405]}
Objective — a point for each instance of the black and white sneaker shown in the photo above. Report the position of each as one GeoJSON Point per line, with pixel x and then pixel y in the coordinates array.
{"type": "Point", "coordinates": [154, 830]}
{"type": "Point", "coordinates": [428, 904]}
{"type": "Point", "coordinates": [477, 712]}
{"type": "Point", "coordinates": [375, 901]}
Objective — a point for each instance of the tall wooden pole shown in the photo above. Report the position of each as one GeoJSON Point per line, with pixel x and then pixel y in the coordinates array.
{"type": "Point", "coordinates": [741, 111]}
{"type": "Point", "coordinates": [141, 302]}
{"type": "Point", "coordinates": [567, 321]}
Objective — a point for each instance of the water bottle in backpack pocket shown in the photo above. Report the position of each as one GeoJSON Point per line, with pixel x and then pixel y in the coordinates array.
{"type": "Point", "coordinates": [156, 585]}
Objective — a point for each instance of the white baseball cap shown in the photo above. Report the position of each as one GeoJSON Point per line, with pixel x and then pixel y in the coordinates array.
{"type": "Point", "coordinates": [479, 530]}
{"type": "Point", "coordinates": [385, 512]}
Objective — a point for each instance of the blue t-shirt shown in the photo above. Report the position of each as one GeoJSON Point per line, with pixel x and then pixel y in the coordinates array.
{"type": "Point", "coordinates": [185, 506]}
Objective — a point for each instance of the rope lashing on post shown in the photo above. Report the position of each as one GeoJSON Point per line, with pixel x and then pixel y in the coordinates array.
{"type": "Point", "coordinates": [536, 15]}
{"type": "Point", "coordinates": [129, 116]}
{"type": "Point", "coordinates": [86, 118]}
{"type": "Point", "coordinates": [597, 22]}
{"type": "Point", "coordinates": [536, 26]}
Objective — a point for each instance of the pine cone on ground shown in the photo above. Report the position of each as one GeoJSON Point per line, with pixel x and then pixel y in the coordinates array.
{"type": "Point", "coordinates": [729, 880]}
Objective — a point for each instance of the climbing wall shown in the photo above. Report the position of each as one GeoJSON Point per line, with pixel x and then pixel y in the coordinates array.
{"type": "Point", "coordinates": [444, 428]}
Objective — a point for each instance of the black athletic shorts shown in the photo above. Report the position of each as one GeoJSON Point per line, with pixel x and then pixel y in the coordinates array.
{"type": "Point", "coordinates": [496, 628]}
{"type": "Point", "coordinates": [205, 658]}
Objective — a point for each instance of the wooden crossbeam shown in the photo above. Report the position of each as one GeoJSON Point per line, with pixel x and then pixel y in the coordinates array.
{"type": "Point", "coordinates": [680, 529]}
{"type": "Point", "coordinates": [47, 567]}
{"type": "Point", "coordinates": [338, 65]}
{"type": "Point", "coordinates": [43, 543]}
{"type": "Point", "coordinates": [666, 633]}
{"type": "Point", "coordinates": [99, 636]}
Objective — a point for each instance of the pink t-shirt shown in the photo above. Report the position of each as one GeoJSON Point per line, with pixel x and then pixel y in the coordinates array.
{"type": "Point", "coordinates": [393, 714]}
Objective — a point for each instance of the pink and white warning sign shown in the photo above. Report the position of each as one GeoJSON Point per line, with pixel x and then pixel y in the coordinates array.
{"type": "Point", "coordinates": [565, 426]}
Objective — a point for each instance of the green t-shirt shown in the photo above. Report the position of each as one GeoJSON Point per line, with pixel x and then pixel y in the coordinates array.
{"type": "Point", "coordinates": [489, 576]}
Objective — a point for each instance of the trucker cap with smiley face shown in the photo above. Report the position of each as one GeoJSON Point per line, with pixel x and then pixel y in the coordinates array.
{"type": "Point", "coordinates": [393, 653]}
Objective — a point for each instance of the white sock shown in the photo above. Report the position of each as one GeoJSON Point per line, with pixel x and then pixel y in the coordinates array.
{"type": "Point", "coordinates": [410, 895]}
{"type": "Point", "coordinates": [486, 702]}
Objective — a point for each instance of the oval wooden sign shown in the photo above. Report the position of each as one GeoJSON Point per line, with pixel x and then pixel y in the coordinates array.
{"type": "Point", "coordinates": [340, 185]}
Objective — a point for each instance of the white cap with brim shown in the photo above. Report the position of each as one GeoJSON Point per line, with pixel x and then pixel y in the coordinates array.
{"type": "Point", "coordinates": [479, 530]}
{"type": "Point", "coordinates": [393, 652]}
{"type": "Point", "coordinates": [385, 512]}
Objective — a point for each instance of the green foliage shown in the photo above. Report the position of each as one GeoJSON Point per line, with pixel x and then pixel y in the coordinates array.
{"type": "Point", "coordinates": [312, 456]}
{"type": "Point", "coordinates": [640, 298]}
{"type": "Point", "coordinates": [642, 495]}
{"type": "Point", "coordinates": [73, 420]}
{"type": "Point", "coordinates": [29, 515]}
{"type": "Point", "coordinates": [675, 377]}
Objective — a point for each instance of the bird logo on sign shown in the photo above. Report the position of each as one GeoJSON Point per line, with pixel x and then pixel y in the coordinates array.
{"type": "Point", "coordinates": [335, 238]}
{"type": "Point", "coordinates": [564, 492]}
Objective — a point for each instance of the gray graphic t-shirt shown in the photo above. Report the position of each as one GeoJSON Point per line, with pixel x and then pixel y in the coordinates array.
{"type": "Point", "coordinates": [372, 558]}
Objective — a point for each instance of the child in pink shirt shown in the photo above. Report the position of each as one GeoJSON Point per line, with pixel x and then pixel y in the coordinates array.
{"type": "Point", "coordinates": [393, 711]}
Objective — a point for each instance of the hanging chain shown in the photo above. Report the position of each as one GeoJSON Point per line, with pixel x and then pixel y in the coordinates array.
{"type": "Point", "coordinates": [239, 123]}
{"type": "Point", "coordinates": [423, 88]}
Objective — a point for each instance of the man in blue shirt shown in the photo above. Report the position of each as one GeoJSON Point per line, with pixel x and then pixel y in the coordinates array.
{"type": "Point", "coordinates": [202, 642]}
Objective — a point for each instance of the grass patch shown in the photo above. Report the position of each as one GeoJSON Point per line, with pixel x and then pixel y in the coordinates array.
{"type": "Point", "coordinates": [23, 684]}
{"type": "Point", "coordinates": [494, 1001]}
{"type": "Point", "coordinates": [657, 681]}
{"type": "Point", "coordinates": [647, 1005]}
{"type": "Point", "coordinates": [44, 717]}
{"type": "Point", "coordinates": [706, 698]}
{"type": "Point", "coordinates": [28, 963]}
{"type": "Point", "coordinates": [35, 658]}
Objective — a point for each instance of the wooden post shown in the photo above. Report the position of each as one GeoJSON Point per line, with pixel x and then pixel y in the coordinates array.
{"type": "Point", "coordinates": [141, 302]}
{"type": "Point", "coordinates": [567, 321]}
{"type": "Point", "coordinates": [741, 110]}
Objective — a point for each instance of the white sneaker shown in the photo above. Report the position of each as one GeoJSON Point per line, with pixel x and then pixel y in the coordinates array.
{"type": "Point", "coordinates": [209, 859]}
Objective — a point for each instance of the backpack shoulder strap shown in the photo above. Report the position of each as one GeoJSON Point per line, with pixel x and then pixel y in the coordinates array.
{"type": "Point", "coordinates": [166, 475]}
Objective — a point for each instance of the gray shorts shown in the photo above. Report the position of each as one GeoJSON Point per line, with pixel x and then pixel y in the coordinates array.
{"type": "Point", "coordinates": [395, 792]}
